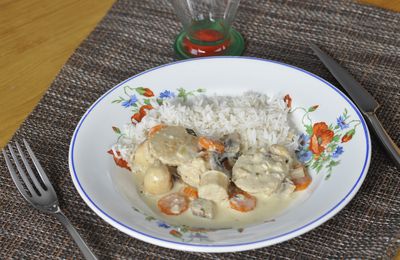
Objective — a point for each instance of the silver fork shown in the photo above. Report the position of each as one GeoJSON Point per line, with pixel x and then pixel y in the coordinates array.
{"type": "Point", "coordinates": [41, 197]}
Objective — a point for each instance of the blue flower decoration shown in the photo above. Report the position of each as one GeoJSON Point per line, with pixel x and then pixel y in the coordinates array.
{"type": "Point", "coordinates": [339, 150]}
{"type": "Point", "coordinates": [167, 94]}
{"type": "Point", "coordinates": [163, 224]}
{"type": "Point", "coordinates": [303, 140]}
{"type": "Point", "coordinates": [304, 156]}
{"type": "Point", "coordinates": [130, 102]}
{"type": "Point", "coordinates": [341, 123]}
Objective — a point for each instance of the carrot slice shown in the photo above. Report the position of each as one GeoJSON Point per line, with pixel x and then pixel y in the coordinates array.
{"type": "Point", "coordinates": [213, 145]}
{"type": "Point", "coordinates": [173, 204]}
{"type": "Point", "coordinates": [155, 129]}
{"type": "Point", "coordinates": [303, 182]}
{"type": "Point", "coordinates": [242, 201]}
{"type": "Point", "coordinates": [190, 192]}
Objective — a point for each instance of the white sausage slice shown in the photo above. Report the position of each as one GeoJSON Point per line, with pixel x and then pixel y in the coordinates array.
{"type": "Point", "coordinates": [173, 146]}
{"type": "Point", "coordinates": [191, 171]}
{"type": "Point", "coordinates": [257, 172]}
{"type": "Point", "coordinates": [213, 186]}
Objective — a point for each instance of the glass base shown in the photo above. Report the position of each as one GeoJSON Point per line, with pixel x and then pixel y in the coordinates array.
{"type": "Point", "coordinates": [235, 48]}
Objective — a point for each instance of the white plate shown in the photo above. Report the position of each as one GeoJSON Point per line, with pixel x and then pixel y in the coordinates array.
{"type": "Point", "coordinates": [94, 173]}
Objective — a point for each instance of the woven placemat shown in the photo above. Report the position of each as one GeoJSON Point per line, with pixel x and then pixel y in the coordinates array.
{"type": "Point", "coordinates": [138, 35]}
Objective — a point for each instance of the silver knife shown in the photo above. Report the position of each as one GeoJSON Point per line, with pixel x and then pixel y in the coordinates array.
{"type": "Point", "coordinates": [365, 101]}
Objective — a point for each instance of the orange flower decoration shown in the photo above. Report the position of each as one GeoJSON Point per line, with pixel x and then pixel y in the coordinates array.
{"type": "Point", "coordinates": [288, 100]}
{"type": "Point", "coordinates": [142, 110]}
{"type": "Point", "coordinates": [175, 233]}
{"type": "Point", "coordinates": [320, 138]}
{"type": "Point", "coordinates": [137, 117]}
{"type": "Point", "coordinates": [148, 92]}
{"type": "Point", "coordinates": [347, 137]}
{"type": "Point", "coordinates": [119, 161]}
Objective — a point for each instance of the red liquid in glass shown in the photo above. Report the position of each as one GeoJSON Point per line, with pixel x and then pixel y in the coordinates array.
{"type": "Point", "coordinates": [206, 36]}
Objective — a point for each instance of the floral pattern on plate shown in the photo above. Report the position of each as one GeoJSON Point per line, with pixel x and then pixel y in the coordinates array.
{"type": "Point", "coordinates": [181, 232]}
{"type": "Point", "coordinates": [141, 99]}
{"type": "Point", "coordinates": [320, 146]}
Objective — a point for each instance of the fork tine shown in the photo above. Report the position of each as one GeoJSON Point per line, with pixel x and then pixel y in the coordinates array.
{"type": "Point", "coordinates": [29, 169]}
{"type": "Point", "coordinates": [22, 172]}
{"type": "Point", "coordinates": [39, 168]}
{"type": "Point", "coordinates": [15, 177]}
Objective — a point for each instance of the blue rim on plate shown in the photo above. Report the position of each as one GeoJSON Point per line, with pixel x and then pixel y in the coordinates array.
{"type": "Point", "coordinates": [338, 206]}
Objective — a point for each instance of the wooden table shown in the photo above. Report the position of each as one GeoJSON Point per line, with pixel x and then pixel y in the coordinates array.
{"type": "Point", "coordinates": [37, 37]}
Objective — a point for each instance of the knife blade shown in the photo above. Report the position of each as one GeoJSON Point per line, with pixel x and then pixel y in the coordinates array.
{"type": "Point", "coordinates": [365, 101]}
{"type": "Point", "coordinates": [360, 96]}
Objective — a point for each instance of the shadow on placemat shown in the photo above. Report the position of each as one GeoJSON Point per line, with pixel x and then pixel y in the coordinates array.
{"type": "Point", "coordinates": [138, 35]}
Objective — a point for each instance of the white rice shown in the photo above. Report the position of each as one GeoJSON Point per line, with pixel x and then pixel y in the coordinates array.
{"type": "Point", "coordinates": [260, 121]}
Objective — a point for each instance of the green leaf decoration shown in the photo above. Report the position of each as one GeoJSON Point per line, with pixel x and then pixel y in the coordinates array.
{"type": "Point", "coordinates": [309, 129]}
{"type": "Point", "coordinates": [334, 163]}
{"type": "Point", "coordinates": [150, 218]}
{"type": "Point", "coordinates": [159, 101]}
{"type": "Point", "coordinates": [315, 164]}
{"type": "Point", "coordinates": [181, 92]}
{"type": "Point", "coordinates": [140, 90]}
{"type": "Point", "coordinates": [332, 146]}
{"type": "Point", "coordinates": [146, 101]}
{"type": "Point", "coordinates": [336, 138]}
{"type": "Point", "coordinates": [184, 228]}
{"type": "Point", "coordinates": [329, 174]}
{"type": "Point", "coordinates": [313, 108]}
{"type": "Point", "coordinates": [116, 130]}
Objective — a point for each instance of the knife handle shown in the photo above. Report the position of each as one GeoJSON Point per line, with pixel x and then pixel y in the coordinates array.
{"type": "Point", "coordinates": [385, 139]}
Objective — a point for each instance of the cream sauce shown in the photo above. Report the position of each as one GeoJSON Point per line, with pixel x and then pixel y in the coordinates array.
{"type": "Point", "coordinates": [225, 217]}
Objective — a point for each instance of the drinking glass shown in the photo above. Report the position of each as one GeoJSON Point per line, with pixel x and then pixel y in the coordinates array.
{"type": "Point", "coordinates": [207, 29]}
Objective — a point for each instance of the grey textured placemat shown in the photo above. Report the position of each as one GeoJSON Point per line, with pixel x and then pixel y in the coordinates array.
{"type": "Point", "coordinates": [138, 35]}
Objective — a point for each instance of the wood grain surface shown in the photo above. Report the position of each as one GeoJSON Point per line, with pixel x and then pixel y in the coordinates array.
{"type": "Point", "coordinates": [36, 39]}
{"type": "Point", "coordinates": [393, 5]}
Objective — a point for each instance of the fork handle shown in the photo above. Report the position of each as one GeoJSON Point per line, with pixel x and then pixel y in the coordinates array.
{"type": "Point", "coordinates": [87, 253]}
